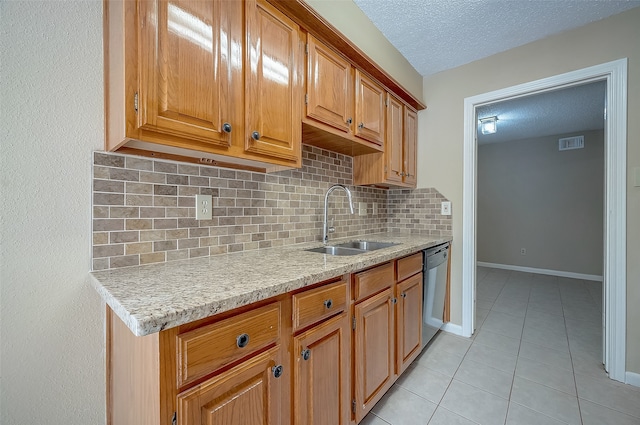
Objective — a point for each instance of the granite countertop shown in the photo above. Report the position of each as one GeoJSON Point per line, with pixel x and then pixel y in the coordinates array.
{"type": "Point", "coordinates": [160, 296]}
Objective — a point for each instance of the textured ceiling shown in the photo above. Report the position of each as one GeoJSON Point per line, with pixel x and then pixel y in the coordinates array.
{"type": "Point", "coordinates": [436, 35]}
{"type": "Point", "coordinates": [568, 110]}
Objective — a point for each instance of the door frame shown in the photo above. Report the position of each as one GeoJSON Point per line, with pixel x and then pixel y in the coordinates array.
{"type": "Point", "coordinates": [614, 271]}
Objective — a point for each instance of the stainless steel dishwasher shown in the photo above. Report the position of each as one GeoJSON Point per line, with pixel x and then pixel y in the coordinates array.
{"type": "Point", "coordinates": [434, 289]}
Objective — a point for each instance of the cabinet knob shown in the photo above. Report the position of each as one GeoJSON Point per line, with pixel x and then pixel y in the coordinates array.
{"type": "Point", "coordinates": [349, 121]}
{"type": "Point", "coordinates": [277, 371]}
{"type": "Point", "coordinates": [328, 303]}
{"type": "Point", "coordinates": [306, 353]}
{"type": "Point", "coordinates": [226, 127]}
{"type": "Point", "coordinates": [403, 295]}
{"type": "Point", "coordinates": [361, 125]}
{"type": "Point", "coordinates": [242, 340]}
{"type": "Point", "coordinates": [394, 300]}
{"type": "Point", "coordinates": [255, 135]}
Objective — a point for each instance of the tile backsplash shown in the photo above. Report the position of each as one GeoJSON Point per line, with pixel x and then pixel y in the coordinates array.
{"type": "Point", "coordinates": [144, 209]}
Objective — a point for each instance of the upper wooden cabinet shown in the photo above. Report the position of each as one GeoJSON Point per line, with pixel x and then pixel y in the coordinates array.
{"type": "Point", "coordinates": [220, 80]}
{"type": "Point", "coordinates": [397, 165]}
{"type": "Point", "coordinates": [370, 109]}
{"type": "Point", "coordinates": [344, 108]}
{"type": "Point", "coordinates": [329, 78]}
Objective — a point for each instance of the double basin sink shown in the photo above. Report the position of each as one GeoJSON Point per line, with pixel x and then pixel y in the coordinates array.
{"type": "Point", "coordinates": [351, 248]}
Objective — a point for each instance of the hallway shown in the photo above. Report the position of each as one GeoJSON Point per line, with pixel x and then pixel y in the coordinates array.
{"type": "Point", "coordinates": [533, 360]}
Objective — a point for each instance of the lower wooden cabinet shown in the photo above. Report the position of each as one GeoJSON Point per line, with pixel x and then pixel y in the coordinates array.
{"type": "Point", "coordinates": [322, 367]}
{"type": "Point", "coordinates": [409, 321]}
{"type": "Point", "coordinates": [248, 394]}
{"type": "Point", "coordinates": [322, 356]}
{"type": "Point", "coordinates": [374, 346]}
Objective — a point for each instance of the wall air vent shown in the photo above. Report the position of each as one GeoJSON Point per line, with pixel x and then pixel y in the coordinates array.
{"type": "Point", "coordinates": [569, 143]}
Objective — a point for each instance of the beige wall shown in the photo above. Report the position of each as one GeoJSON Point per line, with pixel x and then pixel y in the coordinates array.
{"type": "Point", "coordinates": [529, 194]}
{"type": "Point", "coordinates": [440, 150]}
{"type": "Point", "coordinates": [345, 16]}
{"type": "Point", "coordinates": [52, 320]}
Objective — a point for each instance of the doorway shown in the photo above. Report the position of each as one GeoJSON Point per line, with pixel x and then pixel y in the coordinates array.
{"type": "Point", "coordinates": [614, 269]}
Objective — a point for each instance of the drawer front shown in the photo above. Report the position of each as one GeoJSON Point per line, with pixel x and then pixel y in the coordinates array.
{"type": "Point", "coordinates": [408, 266]}
{"type": "Point", "coordinates": [203, 350]}
{"type": "Point", "coordinates": [373, 280]}
{"type": "Point", "coordinates": [316, 304]}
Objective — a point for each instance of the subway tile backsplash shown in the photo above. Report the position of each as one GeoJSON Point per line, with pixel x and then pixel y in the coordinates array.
{"type": "Point", "coordinates": [144, 209]}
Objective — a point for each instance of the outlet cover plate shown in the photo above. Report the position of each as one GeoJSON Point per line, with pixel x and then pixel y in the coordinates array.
{"type": "Point", "coordinates": [445, 208]}
{"type": "Point", "coordinates": [204, 207]}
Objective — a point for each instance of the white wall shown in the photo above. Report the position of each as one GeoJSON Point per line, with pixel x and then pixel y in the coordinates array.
{"type": "Point", "coordinates": [441, 129]}
{"type": "Point", "coordinates": [51, 119]}
{"type": "Point", "coordinates": [532, 196]}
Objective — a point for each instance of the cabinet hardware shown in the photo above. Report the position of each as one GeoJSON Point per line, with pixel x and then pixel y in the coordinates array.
{"type": "Point", "coordinates": [361, 125]}
{"type": "Point", "coordinates": [394, 300]}
{"type": "Point", "coordinates": [226, 127]}
{"type": "Point", "coordinates": [349, 121]}
{"type": "Point", "coordinates": [135, 102]}
{"type": "Point", "coordinates": [242, 340]}
{"type": "Point", "coordinates": [255, 135]}
{"type": "Point", "coordinates": [353, 323]}
{"type": "Point", "coordinates": [328, 303]}
{"type": "Point", "coordinates": [277, 371]}
{"type": "Point", "coordinates": [353, 405]}
{"type": "Point", "coordinates": [306, 48]}
{"type": "Point", "coordinates": [306, 353]}
{"type": "Point", "coordinates": [306, 98]}
{"type": "Point", "coordinates": [403, 295]}
{"type": "Point", "coordinates": [174, 420]}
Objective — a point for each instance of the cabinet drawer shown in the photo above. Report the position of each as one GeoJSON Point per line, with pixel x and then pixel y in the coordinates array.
{"type": "Point", "coordinates": [316, 304]}
{"type": "Point", "coordinates": [203, 350]}
{"type": "Point", "coordinates": [373, 280]}
{"type": "Point", "coordinates": [408, 266]}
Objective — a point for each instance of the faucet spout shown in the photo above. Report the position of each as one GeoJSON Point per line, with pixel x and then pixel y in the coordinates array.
{"type": "Point", "coordinates": [325, 226]}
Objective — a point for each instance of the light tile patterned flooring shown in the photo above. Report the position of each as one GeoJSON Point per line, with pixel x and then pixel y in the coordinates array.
{"type": "Point", "coordinates": [534, 360]}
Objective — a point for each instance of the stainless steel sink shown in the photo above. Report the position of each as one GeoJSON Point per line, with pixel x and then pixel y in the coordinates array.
{"type": "Point", "coordinates": [337, 250]}
{"type": "Point", "coordinates": [366, 245]}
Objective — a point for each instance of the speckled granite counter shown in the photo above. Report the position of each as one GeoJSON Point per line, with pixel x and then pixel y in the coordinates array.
{"type": "Point", "coordinates": [154, 297]}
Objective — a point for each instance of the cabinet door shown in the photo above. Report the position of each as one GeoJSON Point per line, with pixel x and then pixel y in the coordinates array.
{"type": "Point", "coordinates": [329, 87]}
{"type": "Point", "coordinates": [393, 149]}
{"type": "Point", "coordinates": [188, 84]}
{"type": "Point", "coordinates": [248, 394]}
{"type": "Point", "coordinates": [374, 350]}
{"type": "Point", "coordinates": [273, 72]}
{"type": "Point", "coordinates": [321, 384]}
{"type": "Point", "coordinates": [409, 324]}
{"type": "Point", "coordinates": [410, 146]}
{"type": "Point", "coordinates": [370, 109]}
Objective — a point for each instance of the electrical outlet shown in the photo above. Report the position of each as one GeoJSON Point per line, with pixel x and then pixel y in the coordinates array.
{"type": "Point", "coordinates": [362, 208]}
{"type": "Point", "coordinates": [523, 251]}
{"type": "Point", "coordinates": [204, 207]}
{"type": "Point", "coordinates": [445, 208]}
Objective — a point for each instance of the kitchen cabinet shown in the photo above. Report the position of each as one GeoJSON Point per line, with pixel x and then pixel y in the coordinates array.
{"type": "Point", "coordinates": [344, 108]}
{"type": "Point", "coordinates": [374, 337]}
{"type": "Point", "coordinates": [409, 310]}
{"type": "Point", "coordinates": [321, 355]}
{"type": "Point", "coordinates": [218, 80]}
{"type": "Point", "coordinates": [246, 394]}
{"type": "Point", "coordinates": [397, 166]}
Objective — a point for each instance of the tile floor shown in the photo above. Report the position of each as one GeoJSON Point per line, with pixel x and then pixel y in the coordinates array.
{"type": "Point", "coordinates": [534, 360]}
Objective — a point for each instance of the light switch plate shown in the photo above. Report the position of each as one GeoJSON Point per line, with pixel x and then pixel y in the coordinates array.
{"type": "Point", "coordinates": [445, 208]}
{"type": "Point", "coordinates": [204, 207]}
{"type": "Point", "coordinates": [362, 208]}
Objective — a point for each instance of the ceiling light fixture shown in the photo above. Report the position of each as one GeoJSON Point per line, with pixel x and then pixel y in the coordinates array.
{"type": "Point", "coordinates": [489, 125]}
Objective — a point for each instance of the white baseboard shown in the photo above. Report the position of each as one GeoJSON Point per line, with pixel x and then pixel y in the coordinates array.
{"type": "Point", "coordinates": [558, 273]}
{"type": "Point", "coordinates": [632, 378]}
{"type": "Point", "coordinates": [452, 328]}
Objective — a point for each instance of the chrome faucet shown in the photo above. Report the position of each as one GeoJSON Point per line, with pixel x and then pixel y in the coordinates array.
{"type": "Point", "coordinates": [325, 227]}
